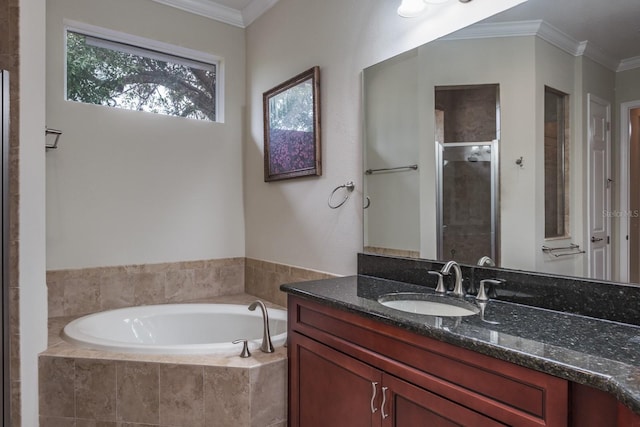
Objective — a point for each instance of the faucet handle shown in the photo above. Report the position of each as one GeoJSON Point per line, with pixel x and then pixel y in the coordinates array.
{"type": "Point", "coordinates": [245, 347]}
{"type": "Point", "coordinates": [440, 287]}
{"type": "Point", "coordinates": [482, 293]}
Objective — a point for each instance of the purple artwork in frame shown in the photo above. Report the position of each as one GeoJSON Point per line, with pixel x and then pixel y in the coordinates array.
{"type": "Point", "coordinates": [292, 128]}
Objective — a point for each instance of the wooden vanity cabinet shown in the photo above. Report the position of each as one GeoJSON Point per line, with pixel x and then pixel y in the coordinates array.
{"type": "Point", "coordinates": [337, 390]}
{"type": "Point", "coordinates": [346, 370]}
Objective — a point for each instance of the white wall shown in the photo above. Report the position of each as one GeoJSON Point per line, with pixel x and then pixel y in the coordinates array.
{"type": "Point", "coordinates": [289, 222]}
{"type": "Point", "coordinates": [33, 291]}
{"type": "Point", "coordinates": [128, 187]}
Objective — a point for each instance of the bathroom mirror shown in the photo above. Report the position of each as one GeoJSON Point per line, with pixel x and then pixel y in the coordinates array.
{"type": "Point", "coordinates": [462, 122]}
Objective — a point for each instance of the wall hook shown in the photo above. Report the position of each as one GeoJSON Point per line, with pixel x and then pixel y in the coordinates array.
{"type": "Point", "coordinates": [520, 162]}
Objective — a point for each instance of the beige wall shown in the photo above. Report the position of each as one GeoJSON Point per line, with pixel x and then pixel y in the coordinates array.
{"type": "Point", "coordinates": [289, 222]}
{"type": "Point", "coordinates": [128, 187]}
{"type": "Point", "coordinates": [391, 120]}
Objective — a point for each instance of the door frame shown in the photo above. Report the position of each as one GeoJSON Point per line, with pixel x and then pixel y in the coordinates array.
{"type": "Point", "coordinates": [593, 98]}
{"type": "Point", "coordinates": [625, 147]}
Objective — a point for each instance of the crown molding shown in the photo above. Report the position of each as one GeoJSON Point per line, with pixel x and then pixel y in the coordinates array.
{"type": "Point", "coordinates": [218, 12]}
{"type": "Point", "coordinates": [543, 30]}
{"type": "Point", "coordinates": [209, 10]}
{"type": "Point", "coordinates": [629, 63]}
{"type": "Point", "coordinates": [255, 9]}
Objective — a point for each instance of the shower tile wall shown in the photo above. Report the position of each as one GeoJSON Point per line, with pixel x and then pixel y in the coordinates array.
{"type": "Point", "coordinates": [469, 113]}
{"type": "Point", "coordinates": [10, 60]}
{"type": "Point", "coordinates": [88, 290]}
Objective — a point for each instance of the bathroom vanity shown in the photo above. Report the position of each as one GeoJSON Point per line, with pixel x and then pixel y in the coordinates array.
{"type": "Point", "coordinates": [355, 362]}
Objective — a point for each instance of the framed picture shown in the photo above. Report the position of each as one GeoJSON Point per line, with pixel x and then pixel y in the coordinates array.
{"type": "Point", "coordinates": [292, 128]}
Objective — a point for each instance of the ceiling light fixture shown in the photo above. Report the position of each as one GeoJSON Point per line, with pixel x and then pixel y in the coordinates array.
{"type": "Point", "coordinates": [413, 8]}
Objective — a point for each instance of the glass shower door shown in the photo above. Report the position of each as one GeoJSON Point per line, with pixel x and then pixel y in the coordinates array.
{"type": "Point", "coordinates": [467, 201]}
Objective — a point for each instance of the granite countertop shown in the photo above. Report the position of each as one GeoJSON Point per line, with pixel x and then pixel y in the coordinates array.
{"type": "Point", "coordinates": [599, 353]}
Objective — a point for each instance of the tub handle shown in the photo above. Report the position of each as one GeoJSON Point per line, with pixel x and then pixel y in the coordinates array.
{"type": "Point", "coordinates": [245, 347]}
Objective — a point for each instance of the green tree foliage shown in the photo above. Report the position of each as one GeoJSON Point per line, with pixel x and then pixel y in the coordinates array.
{"type": "Point", "coordinates": [98, 75]}
{"type": "Point", "coordinates": [293, 108]}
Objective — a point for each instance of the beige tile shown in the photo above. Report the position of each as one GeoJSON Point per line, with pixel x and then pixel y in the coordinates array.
{"type": "Point", "coordinates": [116, 290]}
{"type": "Point", "coordinates": [226, 397]}
{"type": "Point", "coordinates": [55, 298]}
{"type": "Point", "coordinates": [16, 400]}
{"type": "Point", "coordinates": [138, 398]}
{"type": "Point", "coordinates": [179, 286]}
{"type": "Point", "coordinates": [231, 279]}
{"type": "Point", "coordinates": [95, 387]}
{"type": "Point", "coordinates": [14, 360]}
{"type": "Point", "coordinates": [148, 288]}
{"type": "Point", "coordinates": [57, 422]}
{"type": "Point", "coordinates": [94, 423]}
{"type": "Point", "coordinates": [206, 283]}
{"type": "Point", "coordinates": [182, 395]}
{"type": "Point", "coordinates": [269, 394]}
{"type": "Point", "coordinates": [81, 296]}
{"type": "Point", "coordinates": [56, 389]}
{"type": "Point", "coordinates": [138, 425]}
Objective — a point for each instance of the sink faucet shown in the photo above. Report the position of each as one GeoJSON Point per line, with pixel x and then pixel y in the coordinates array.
{"type": "Point", "coordinates": [266, 346]}
{"type": "Point", "coordinates": [485, 260]}
{"type": "Point", "coordinates": [457, 289]}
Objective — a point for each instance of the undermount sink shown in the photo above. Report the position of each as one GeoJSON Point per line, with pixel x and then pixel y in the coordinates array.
{"type": "Point", "coordinates": [431, 305]}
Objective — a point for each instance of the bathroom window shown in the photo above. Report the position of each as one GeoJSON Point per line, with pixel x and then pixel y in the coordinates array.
{"type": "Point", "coordinates": [556, 164]}
{"type": "Point", "coordinates": [119, 74]}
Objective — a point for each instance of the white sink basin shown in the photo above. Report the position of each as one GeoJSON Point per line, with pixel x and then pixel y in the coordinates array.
{"type": "Point", "coordinates": [428, 305]}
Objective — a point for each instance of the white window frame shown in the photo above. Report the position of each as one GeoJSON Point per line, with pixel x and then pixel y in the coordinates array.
{"type": "Point", "coordinates": [153, 45]}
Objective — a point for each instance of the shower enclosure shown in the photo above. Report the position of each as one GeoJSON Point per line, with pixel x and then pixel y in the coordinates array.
{"type": "Point", "coordinates": [467, 142]}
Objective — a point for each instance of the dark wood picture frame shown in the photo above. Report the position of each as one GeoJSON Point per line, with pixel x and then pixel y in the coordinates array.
{"type": "Point", "coordinates": [292, 145]}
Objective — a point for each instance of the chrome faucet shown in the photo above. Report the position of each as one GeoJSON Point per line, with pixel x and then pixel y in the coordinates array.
{"type": "Point", "coordinates": [266, 346]}
{"type": "Point", "coordinates": [457, 288]}
{"type": "Point", "coordinates": [486, 261]}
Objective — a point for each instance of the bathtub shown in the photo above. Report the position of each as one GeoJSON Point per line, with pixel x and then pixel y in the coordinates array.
{"type": "Point", "coordinates": [176, 329]}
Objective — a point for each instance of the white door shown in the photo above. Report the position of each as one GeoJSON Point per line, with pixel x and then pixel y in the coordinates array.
{"type": "Point", "coordinates": [599, 138]}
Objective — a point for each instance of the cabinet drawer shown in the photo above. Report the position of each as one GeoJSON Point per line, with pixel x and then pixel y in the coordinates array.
{"type": "Point", "coordinates": [509, 393]}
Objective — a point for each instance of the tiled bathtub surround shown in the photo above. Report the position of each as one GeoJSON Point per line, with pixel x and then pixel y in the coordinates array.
{"type": "Point", "coordinates": [263, 279]}
{"type": "Point", "coordinates": [88, 290]}
{"type": "Point", "coordinates": [108, 393]}
{"type": "Point", "coordinates": [90, 388]}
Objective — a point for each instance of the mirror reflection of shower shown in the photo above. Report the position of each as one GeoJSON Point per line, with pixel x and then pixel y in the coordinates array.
{"type": "Point", "coordinates": [467, 140]}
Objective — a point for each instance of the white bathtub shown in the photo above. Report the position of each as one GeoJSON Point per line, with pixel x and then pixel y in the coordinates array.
{"type": "Point", "coordinates": [176, 329]}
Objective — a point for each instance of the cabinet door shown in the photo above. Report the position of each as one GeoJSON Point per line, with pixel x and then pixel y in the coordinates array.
{"type": "Point", "coordinates": [329, 388]}
{"type": "Point", "coordinates": [406, 405]}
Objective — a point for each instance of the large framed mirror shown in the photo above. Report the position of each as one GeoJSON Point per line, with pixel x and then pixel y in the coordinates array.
{"type": "Point", "coordinates": [513, 139]}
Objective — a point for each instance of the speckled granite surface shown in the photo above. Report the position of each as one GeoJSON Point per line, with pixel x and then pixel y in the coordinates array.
{"type": "Point", "coordinates": [618, 302]}
{"type": "Point", "coordinates": [591, 351]}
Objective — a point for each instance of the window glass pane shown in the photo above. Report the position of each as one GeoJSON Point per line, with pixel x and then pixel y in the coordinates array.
{"type": "Point", "coordinates": [119, 75]}
{"type": "Point", "coordinates": [555, 164]}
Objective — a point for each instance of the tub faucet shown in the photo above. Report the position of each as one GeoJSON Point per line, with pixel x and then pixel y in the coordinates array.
{"type": "Point", "coordinates": [266, 346]}
{"type": "Point", "coordinates": [486, 261]}
{"type": "Point", "coordinates": [457, 289]}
